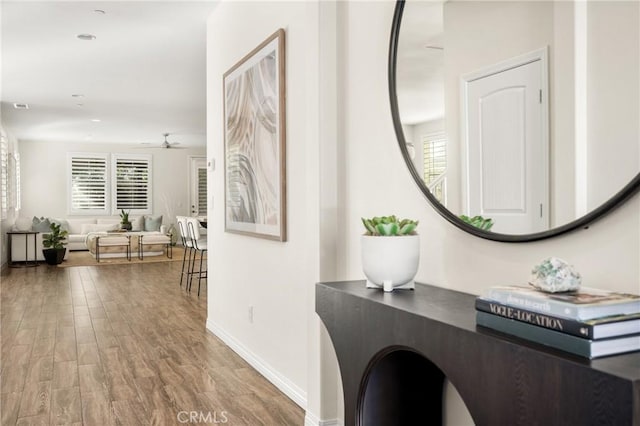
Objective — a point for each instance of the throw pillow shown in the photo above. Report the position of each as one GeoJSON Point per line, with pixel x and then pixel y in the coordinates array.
{"type": "Point", "coordinates": [86, 228]}
{"type": "Point", "coordinates": [152, 223]}
{"type": "Point", "coordinates": [22, 224]}
{"type": "Point", "coordinates": [99, 227]}
{"type": "Point", "coordinates": [137, 223]}
{"type": "Point", "coordinates": [41, 224]}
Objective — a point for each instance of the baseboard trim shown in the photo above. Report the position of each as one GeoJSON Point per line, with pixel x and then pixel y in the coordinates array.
{"type": "Point", "coordinates": [290, 389]}
{"type": "Point", "coordinates": [311, 420]}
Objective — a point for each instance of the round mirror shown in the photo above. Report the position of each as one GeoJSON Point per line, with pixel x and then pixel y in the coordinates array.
{"type": "Point", "coordinates": [518, 120]}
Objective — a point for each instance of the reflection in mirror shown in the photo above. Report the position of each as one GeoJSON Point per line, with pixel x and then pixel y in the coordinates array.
{"type": "Point", "coordinates": [525, 112]}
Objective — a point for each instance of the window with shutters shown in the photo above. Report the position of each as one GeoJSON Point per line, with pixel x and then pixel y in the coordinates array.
{"type": "Point", "coordinates": [88, 189]}
{"type": "Point", "coordinates": [18, 182]}
{"type": "Point", "coordinates": [105, 184]}
{"type": "Point", "coordinates": [435, 164]}
{"type": "Point", "coordinates": [4, 175]}
{"type": "Point", "coordinates": [132, 183]}
{"type": "Point", "coordinates": [202, 192]}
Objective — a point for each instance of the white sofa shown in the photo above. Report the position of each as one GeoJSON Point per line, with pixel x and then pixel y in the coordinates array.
{"type": "Point", "coordinates": [78, 230]}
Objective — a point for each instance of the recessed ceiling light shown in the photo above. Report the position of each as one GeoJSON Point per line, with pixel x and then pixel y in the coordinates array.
{"type": "Point", "coordinates": [96, 120]}
{"type": "Point", "coordinates": [21, 106]}
{"type": "Point", "coordinates": [99, 11]}
{"type": "Point", "coordinates": [86, 36]}
{"type": "Point", "coordinates": [77, 95]}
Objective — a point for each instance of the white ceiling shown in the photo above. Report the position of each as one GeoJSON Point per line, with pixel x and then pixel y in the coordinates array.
{"type": "Point", "coordinates": [142, 76]}
{"type": "Point", "coordinates": [420, 69]}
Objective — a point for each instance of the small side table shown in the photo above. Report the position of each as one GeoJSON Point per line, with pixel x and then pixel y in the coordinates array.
{"type": "Point", "coordinates": [26, 263]}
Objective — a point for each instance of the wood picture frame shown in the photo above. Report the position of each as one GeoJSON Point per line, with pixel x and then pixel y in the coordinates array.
{"type": "Point", "coordinates": [255, 142]}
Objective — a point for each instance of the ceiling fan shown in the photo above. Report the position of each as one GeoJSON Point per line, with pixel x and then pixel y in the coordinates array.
{"type": "Point", "coordinates": [166, 144]}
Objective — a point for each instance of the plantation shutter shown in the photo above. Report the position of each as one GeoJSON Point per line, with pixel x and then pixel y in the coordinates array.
{"type": "Point", "coordinates": [435, 164]}
{"type": "Point", "coordinates": [4, 179]}
{"type": "Point", "coordinates": [18, 190]}
{"type": "Point", "coordinates": [132, 186]}
{"type": "Point", "coordinates": [435, 156]}
{"type": "Point", "coordinates": [88, 184]}
{"type": "Point", "coordinates": [202, 191]}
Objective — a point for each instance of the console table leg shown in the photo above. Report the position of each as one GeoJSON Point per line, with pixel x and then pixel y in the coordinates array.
{"type": "Point", "coordinates": [35, 249]}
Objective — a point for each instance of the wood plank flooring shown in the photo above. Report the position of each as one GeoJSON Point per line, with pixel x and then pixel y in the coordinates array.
{"type": "Point", "coordinates": [122, 345]}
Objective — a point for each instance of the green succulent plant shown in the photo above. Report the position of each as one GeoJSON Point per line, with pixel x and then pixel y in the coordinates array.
{"type": "Point", "coordinates": [478, 221]}
{"type": "Point", "coordinates": [124, 216]}
{"type": "Point", "coordinates": [55, 238]}
{"type": "Point", "coordinates": [389, 226]}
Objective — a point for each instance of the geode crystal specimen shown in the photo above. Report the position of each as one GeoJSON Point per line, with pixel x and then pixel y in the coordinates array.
{"type": "Point", "coordinates": [554, 275]}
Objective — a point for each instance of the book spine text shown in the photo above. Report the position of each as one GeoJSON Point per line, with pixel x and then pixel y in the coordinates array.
{"type": "Point", "coordinates": [542, 306]}
{"type": "Point", "coordinates": [542, 320]}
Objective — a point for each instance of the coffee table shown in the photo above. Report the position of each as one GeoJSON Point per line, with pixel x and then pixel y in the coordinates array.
{"type": "Point", "coordinates": [113, 240]}
{"type": "Point", "coordinates": [154, 239]}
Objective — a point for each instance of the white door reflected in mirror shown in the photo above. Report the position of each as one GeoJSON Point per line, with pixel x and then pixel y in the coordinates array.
{"type": "Point", "coordinates": [505, 143]}
{"type": "Point", "coordinates": [591, 126]}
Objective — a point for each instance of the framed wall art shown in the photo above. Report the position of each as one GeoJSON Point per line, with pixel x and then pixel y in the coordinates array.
{"type": "Point", "coordinates": [254, 137]}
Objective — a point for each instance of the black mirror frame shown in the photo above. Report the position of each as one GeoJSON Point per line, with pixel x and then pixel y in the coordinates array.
{"type": "Point", "coordinates": [583, 222]}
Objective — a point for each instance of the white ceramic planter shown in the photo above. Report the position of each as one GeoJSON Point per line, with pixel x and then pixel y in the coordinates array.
{"type": "Point", "coordinates": [390, 262]}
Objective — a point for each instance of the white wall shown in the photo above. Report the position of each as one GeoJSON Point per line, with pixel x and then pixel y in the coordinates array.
{"type": "Point", "coordinates": [44, 177]}
{"type": "Point", "coordinates": [275, 278]}
{"type": "Point", "coordinates": [376, 167]}
{"type": "Point", "coordinates": [365, 170]}
{"type": "Point", "coordinates": [613, 89]}
{"type": "Point", "coordinates": [562, 125]}
{"type": "Point", "coordinates": [607, 254]}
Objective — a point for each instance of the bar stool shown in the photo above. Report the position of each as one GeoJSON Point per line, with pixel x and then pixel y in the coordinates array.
{"type": "Point", "coordinates": [199, 245]}
{"type": "Point", "coordinates": [188, 249]}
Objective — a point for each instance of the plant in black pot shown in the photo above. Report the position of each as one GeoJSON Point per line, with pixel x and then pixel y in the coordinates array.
{"type": "Point", "coordinates": [125, 224]}
{"type": "Point", "coordinates": [54, 243]}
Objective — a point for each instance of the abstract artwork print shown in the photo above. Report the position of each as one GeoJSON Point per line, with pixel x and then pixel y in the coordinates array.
{"type": "Point", "coordinates": [254, 127]}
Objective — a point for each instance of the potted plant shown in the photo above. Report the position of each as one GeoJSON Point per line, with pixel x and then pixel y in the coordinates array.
{"type": "Point", "coordinates": [478, 221]}
{"type": "Point", "coordinates": [390, 252]}
{"type": "Point", "coordinates": [125, 220]}
{"type": "Point", "coordinates": [54, 243]}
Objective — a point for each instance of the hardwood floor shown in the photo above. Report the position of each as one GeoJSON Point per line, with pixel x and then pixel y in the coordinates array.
{"type": "Point", "coordinates": [122, 344]}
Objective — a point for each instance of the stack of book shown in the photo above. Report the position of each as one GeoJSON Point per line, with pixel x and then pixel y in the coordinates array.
{"type": "Point", "coordinates": [590, 323]}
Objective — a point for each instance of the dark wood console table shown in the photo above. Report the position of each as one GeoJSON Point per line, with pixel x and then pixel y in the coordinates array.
{"type": "Point", "coordinates": [400, 346]}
